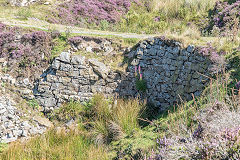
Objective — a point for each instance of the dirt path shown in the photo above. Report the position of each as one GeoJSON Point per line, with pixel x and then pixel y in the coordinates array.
{"type": "Point", "coordinates": [43, 25]}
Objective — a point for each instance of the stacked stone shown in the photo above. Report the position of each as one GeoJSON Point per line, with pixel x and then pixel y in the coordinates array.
{"type": "Point", "coordinates": [74, 77]}
{"type": "Point", "coordinates": [12, 126]}
{"type": "Point", "coordinates": [171, 72]}
{"type": "Point", "coordinates": [22, 3]}
{"type": "Point", "coordinates": [23, 87]}
{"type": "Point", "coordinates": [90, 44]}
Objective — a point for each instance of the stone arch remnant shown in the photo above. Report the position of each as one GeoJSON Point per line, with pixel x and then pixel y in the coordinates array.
{"type": "Point", "coordinates": [171, 73]}
{"type": "Point", "coordinates": [169, 70]}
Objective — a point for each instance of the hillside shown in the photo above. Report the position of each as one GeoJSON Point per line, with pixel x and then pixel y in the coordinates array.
{"type": "Point", "coordinates": [119, 79]}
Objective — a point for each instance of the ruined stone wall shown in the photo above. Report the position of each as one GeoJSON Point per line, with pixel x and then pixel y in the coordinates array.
{"type": "Point", "coordinates": [74, 77]}
{"type": "Point", "coordinates": [170, 72]}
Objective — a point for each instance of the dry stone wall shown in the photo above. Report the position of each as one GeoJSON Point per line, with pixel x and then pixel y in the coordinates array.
{"type": "Point", "coordinates": [74, 77]}
{"type": "Point", "coordinates": [170, 72]}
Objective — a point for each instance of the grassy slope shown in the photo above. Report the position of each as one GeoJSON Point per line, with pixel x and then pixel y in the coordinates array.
{"type": "Point", "coordinates": [181, 21]}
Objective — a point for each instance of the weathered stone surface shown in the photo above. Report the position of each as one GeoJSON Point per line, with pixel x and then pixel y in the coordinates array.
{"type": "Point", "coordinates": [78, 59]}
{"type": "Point", "coordinates": [64, 57]}
{"type": "Point", "coordinates": [56, 64]}
{"type": "Point", "coordinates": [99, 68]}
{"type": "Point", "coordinates": [22, 3]}
{"type": "Point", "coordinates": [190, 48]}
{"type": "Point", "coordinates": [12, 125]}
{"type": "Point", "coordinates": [43, 121]}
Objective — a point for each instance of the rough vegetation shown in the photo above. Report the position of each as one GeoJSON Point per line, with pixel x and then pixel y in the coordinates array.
{"type": "Point", "coordinates": [69, 78]}
{"type": "Point", "coordinates": [224, 19]}
{"type": "Point", "coordinates": [78, 12]}
{"type": "Point", "coordinates": [26, 51]}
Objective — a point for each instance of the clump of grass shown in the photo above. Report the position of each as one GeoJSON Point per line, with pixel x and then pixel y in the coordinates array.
{"type": "Point", "coordinates": [60, 44]}
{"type": "Point", "coordinates": [69, 111]}
{"type": "Point", "coordinates": [33, 103]}
{"type": "Point", "coordinates": [127, 113]}
{"type": "Point", "coordinates": [106, 119]}
{"type": "Point", "coordinates": [113, 119]}
{"type": "Point", "coordinates": [53, 145]}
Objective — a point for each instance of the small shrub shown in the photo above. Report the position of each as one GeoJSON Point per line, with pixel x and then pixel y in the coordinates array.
{"type": "Point", "coordinates": [33, 103]}
{"type": "Point", "coordinates": [225, 18]}
{"type": "Point", "coordinates": [217, 58]}
{"type": "Point", "coordinates": [60, 44]}
{"type": "Point", "coordinates": [141, 85]}
{"type": "Point", "coordinates": [104, 25]}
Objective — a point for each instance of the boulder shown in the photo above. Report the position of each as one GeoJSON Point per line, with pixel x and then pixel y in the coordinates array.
{"type": "Point", "coordinates": [64, 57]}
{"type": "Point", "coordinates": [78, 59]}
{"type": "Point", "coordinates": [100, 68]}
{"type": "Point", "coordinates": [43, 121]}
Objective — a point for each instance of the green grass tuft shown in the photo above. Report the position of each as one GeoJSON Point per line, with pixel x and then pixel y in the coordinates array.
{"type": "Point", "coordinates": [55, 146]}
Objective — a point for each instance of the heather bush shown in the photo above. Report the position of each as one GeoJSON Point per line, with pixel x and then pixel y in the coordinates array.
{"type": "Point", "coordinates": [29, 51]}
{"type": "Point", "coordinates": [38, 45]}
{"type": "Point", "coordinates": [2, 26]}
{"type": "Point", "coordinates": [216, 57]}
{"type": "Point", "coordinates": [75, 40]}
{"type": "Point", "coordinates": [35, 43]}
{"type": "Point", "coordinates": [225, 18]}
{"type": "Point", "coordinates": [214, 134]}
{"type": "Point", "coordinates": [79, 12]}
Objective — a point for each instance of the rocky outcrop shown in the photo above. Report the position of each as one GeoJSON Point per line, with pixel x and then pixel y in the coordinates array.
{"type": "Point", "coordinates": [15, 124]}
{"type": "Point", "coordinates": [22, 3]}
{"type": "Point", "coordinates": [97, 45]}
{"type": "Point", "coordinates": [171, 73]}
